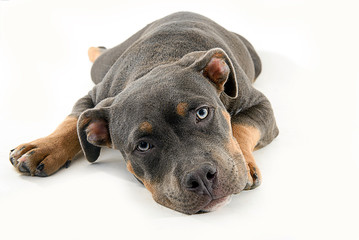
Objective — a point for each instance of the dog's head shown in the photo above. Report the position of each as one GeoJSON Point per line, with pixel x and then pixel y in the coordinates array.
{"type": "Point", "coordinates": [174, 132]}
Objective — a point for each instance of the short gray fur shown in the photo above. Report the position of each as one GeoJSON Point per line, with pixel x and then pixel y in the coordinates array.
{"type": "Point", "coordinates": [145, 77]}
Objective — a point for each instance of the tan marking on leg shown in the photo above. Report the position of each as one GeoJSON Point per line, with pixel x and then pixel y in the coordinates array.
{"type": "Point", "coordinates": [247, 138]}
{"type": "Point", "coordinates": [46, 155]}
{"type": "Point", "coordinates": [66, 134]}
{"type": "Point", "coordinates": [181, 109]}
{"type": "Point", "coordinates": [66, 143]}
{"type": "Point", "coordinates": [94, 53]}
{"type": "Point", "coordinates": [146, 127]}
{"type": "Point", "coordinates": [233, 147]}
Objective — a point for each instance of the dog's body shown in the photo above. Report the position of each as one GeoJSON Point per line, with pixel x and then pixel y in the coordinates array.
{"type": "Point", "coordinates": [177, 100]}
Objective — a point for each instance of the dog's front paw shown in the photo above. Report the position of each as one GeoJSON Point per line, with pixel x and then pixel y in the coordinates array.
{"type": "Point", "coordinates": [254, 176]}
{"type": "Point", "coordinates": [41, 157]}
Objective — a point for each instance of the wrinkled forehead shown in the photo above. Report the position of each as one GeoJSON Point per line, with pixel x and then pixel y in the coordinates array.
{"type": "Point", "coordinates": [153, 97]}
{"type": "Point", "coordinates": [162, 107]}
{"type": "Point", "coordinates": [160, 102]}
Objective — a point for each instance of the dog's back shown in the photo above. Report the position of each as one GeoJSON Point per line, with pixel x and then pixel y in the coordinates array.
{"type": "Point", "coordinates": [167, 40]}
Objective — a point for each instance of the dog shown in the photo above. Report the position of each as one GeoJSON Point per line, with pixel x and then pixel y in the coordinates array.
{"type": "Point", "coordinates": [176, 99]}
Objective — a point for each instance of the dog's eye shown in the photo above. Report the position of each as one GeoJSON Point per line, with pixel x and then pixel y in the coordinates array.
{"type": "Point", "coordinates": [143, 146]}
{"type": "Point", "coordinates": [202, 113]}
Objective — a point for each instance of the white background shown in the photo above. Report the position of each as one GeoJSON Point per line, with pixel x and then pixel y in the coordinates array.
{"type": "Point", "coordinates": [310, 74]}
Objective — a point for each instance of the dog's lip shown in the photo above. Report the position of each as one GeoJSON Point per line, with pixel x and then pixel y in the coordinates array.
{"type": "Point", "coordinates": [216, 203]}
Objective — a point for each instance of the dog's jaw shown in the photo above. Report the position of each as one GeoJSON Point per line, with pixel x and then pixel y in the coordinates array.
{"type": "Point", "coordinates": [215, 204]}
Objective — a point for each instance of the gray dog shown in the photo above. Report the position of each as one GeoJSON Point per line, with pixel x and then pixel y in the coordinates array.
{"type": "Point", "coordinates": [177, 100]}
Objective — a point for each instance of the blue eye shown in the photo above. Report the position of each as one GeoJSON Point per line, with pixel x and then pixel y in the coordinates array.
{"type": "Point", "coordinates": [143, 146]}
{"type": "Point", "coordinates": [202, 113]}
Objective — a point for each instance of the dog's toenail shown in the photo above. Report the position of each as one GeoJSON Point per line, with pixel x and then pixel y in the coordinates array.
{"type": "Point", "coordinates": [40, 167]}
{"type": "Point", "coordinates": [21, 148]}
{"type": "Point", "coordinates": [40, 173]}
{"type": "Point", "coordinates": [12, 160]}
{"type": "Point", "coordinates": [67, 164]}
{"type": "Point", "coordinates": [30, 153]}
{"type": "Point", "coordinates": [23, 167]}
{"type": "Point", "coordinates": [255, 176]}
{"type": "Point", "coordinates": [22, 159]}
{"type": "Point", "coordinates": [12, 150]}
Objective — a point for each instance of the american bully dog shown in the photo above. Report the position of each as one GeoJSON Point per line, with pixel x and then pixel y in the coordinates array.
{"type": "Point", "coordinates": [176, 99]}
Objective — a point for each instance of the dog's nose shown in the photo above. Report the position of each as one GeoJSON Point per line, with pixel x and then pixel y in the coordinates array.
{"type": "Point", "coordinates": [201, 180]}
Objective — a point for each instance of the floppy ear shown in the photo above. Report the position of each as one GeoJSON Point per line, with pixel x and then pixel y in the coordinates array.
{"type": "Point", "coordinates": [93, 132]}
{"type": "Point", "coordinates": [216, 66]}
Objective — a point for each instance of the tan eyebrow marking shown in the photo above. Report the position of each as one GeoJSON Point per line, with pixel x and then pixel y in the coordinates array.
{"type": "Point", "coordinates": [181, 109]}
{"type": "Point", "coordinates": [146, 127]}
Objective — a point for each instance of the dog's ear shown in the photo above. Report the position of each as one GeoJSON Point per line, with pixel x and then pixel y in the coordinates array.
{"type": "Point", "coordinates": [216, 66]}
{"type": "Point", "coordinates": [93, 131]}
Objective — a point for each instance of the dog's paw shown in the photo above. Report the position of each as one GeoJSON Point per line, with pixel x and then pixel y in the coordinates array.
{"type": "Point", "coordinates": [254, 176]}
{"type": "Point", "coordinates": [41, 157]}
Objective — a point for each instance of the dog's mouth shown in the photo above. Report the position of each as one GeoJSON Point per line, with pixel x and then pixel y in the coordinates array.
{"type": "Point", "coordinates": [215, 204]}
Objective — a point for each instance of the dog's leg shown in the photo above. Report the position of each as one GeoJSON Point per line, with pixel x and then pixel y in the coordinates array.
{"type": "Point", "coordinates": [247, 138]}
{"type": "Point", "coordinates": [254, 128]}
{"type": "Point", "coordinates": [45, 156]}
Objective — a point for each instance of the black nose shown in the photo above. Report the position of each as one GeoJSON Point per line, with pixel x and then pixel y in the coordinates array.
{"type": "Point", "coordinates": [201, 180]}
